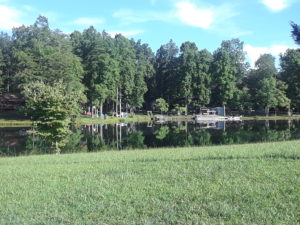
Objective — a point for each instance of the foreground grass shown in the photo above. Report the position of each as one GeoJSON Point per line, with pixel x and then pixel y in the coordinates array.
{"type": "Point", "coordinates": [242, 184]}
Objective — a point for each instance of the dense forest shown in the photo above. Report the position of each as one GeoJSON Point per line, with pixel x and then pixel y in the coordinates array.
{"type": "Point", "coordinates": [119, 74]}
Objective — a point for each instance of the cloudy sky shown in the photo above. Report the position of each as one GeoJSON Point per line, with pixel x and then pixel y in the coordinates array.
{"type": "Point", "coordinates": [263, 25]}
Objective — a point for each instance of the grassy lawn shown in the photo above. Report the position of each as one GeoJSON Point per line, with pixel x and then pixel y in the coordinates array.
{"type": "Point", "coordinates": [241, 184]}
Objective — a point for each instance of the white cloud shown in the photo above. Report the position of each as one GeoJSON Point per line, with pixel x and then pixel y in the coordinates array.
{"type": "Point", "coordinates": [276, 5]}
{"type": "Point", "coordinates": [189, 14]}
{"type": "Point", "coordinates": [85, 21]}
{"type": "Point", "coordinates": [214, 17]}
{"type": "Point", "coordinates": [128, 16]}
{"type": "Point", "coordinates": [254, 52]}
{"type": "Point", "coordinates": [9, 17]}
{"type": "Point", "coordinates": [126, 33]}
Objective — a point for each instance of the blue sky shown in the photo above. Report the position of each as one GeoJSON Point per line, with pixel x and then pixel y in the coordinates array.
{"type": "Point", "coordinates": [263, 25]}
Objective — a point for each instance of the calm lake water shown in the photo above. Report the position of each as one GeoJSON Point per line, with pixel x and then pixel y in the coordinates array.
{"type": "Point", "coordinates": [15, 141]}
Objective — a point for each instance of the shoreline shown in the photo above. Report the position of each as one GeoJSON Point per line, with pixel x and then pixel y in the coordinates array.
{"type": "Point", "coordinates": [137, 118]}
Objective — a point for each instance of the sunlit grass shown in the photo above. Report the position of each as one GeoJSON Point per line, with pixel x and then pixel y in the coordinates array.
{"type": "Point", "coordinates": [241, 184]}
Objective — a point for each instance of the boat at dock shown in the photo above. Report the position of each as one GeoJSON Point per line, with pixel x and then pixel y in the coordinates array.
{"type": "Point", "coordinates": [215, 114]}
{"type": "Point", "coordinates": [216, 118]}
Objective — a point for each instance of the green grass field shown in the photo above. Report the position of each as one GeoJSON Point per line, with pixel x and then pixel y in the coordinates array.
{"type": "Point", "coordinates": [241, 184]}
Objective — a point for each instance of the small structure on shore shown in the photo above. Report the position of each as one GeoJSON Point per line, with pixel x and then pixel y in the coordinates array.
{"type": "Point", "coordinates": [159, 118]}
{"type": "Point", "coordinates": [10, 102]}
{"type": "Point", "coordinates": [214, 114]}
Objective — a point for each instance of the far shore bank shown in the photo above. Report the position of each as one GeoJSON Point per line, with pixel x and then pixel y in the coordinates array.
{"type": "Point", "coordinates": [137, 118]}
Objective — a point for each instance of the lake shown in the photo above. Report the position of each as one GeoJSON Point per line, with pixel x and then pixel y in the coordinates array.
{"type": "Point", "coordinates": [17, 141]}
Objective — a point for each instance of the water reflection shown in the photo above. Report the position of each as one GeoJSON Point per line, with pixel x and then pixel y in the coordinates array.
{"type": "Point", "coordinates": [100, 137]}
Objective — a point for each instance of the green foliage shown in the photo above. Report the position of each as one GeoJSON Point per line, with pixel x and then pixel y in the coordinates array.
{"type": "Point", "coordinates": [6, 66]}
{"type": "Point", "coordinates": [52, 107]}
{"type": "Point", "coordinates": [144, 72]}
{"type": "Point", "coordinates": [180, 109]}
{"type": "Point", "coordinates": [235, 48]}
{"type": "Point", "coordinates": [267, 90]}
{"type": "Point", "coordinates": [224, 80]}
{"type": "Point", "coordinates": [1, 72]}
{"type": "Point", "coordinates": [166, 82]}
{"type": "Point", "coordinates": [265, 66]}
{"type": "Point", "coordinates": [161, 105]}
{"type": "Point", "coordinates": [119, 74]}
{"type": "Point", "coordinates": [281, 97]}
{"type": "Point", "coordinates": [100, 67]}
{"type": "Point", "coordinates": [290, 74]}
{"type": "Point", "coordinates": [193, 73]}
{"type": "Point", "coordinates": [296, 32]}
{"type": "Point", "coordinates": [44, 55]}
{"type": "Point", "coordinates": [266, 93]}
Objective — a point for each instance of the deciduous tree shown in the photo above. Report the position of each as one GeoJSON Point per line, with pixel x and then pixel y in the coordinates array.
{"type": "Point", "coordinates": [52, 107]}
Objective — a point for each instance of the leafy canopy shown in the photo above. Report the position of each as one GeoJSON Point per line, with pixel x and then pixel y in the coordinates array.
{"type": "Point", "coordinates": [52, 107]}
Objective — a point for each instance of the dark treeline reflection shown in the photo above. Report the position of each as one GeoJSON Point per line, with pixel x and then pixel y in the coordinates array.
{"type": "Point", "coordinates": [19, 141]}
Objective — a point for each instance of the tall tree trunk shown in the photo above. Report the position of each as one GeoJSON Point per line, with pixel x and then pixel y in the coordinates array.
{"type": "Point", "coordinates": [8, 86]}
{"type": "Point", "coordinates": [117, 100]}
{"type": "Point", "coordinates": [120, 105]}
{"type": "Point", "coordinates": [101, 109]}
{"type": "Point", "coordinates": [267, 111]}
{"type": "Point", "coordinates": [289, 111]}
{"type": "Point", "coordinates": [186, 107]}
{"type": "Point", "coordinates": [57, 150]}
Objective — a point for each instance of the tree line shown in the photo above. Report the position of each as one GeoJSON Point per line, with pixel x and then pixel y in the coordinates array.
{"type": "Point", "coordinates": [119, 74]}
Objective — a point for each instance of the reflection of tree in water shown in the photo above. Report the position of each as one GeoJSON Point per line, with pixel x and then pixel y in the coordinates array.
{"type": "Point", "coordinates": [162, 132]}
{"type": "Point", "coordinates": [134, 140]}
{"type": "Point", "coordinates": [139, 137]}
{"type": "Point", "coordinates": [12, 141]}
{"type": "Point", "coordinates": [96, 143]}
{"type": "Point", "coordinates": [36, 144]}
{"type": "Point", "coordinates": [201, 137]}
{"type": "Point", "coordinates": [74, 142]}
{"type": "Point", "coordinates": [250, 134]}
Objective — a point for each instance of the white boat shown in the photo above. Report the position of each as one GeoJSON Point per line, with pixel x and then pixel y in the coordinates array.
{"type": "Point", "coordinates": [234, 118]}
{"type": "Point", "coordinates": [210, 118]}
{"type": "Point", "coordinates": [215, 114]}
